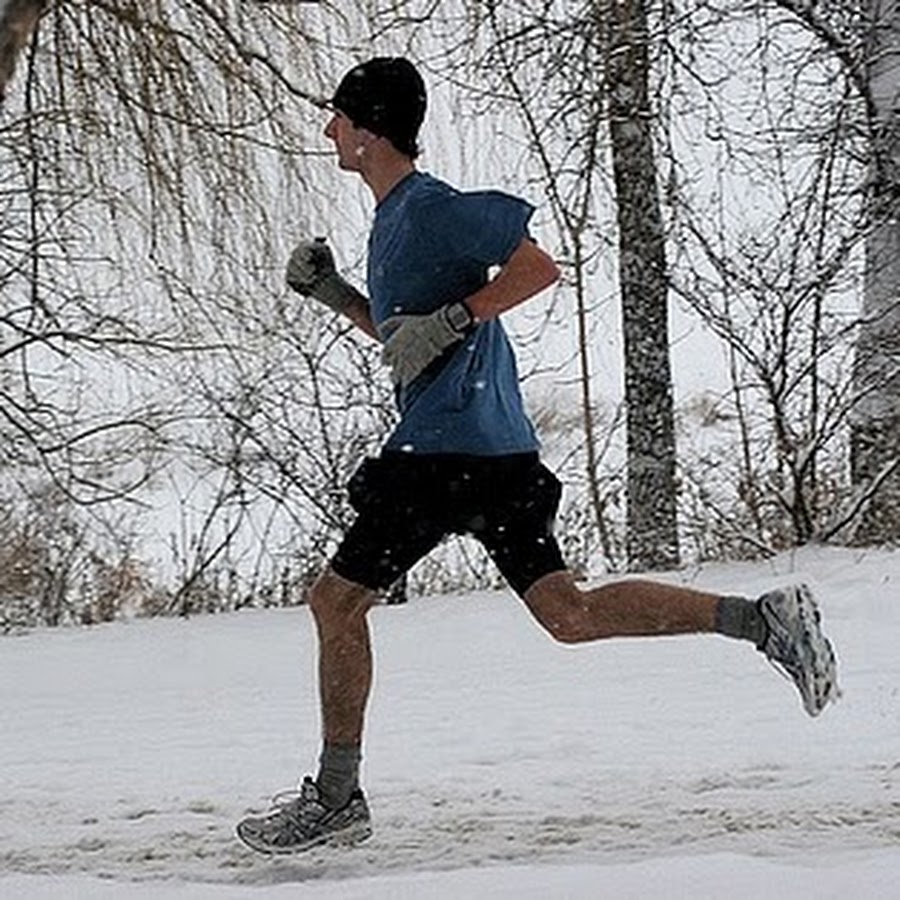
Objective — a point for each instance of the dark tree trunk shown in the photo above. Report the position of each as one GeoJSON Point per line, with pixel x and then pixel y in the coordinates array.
{"type": "Point", "coordinates": [875, 436]}
{"type": "Point", "coordinates": [652, 521]}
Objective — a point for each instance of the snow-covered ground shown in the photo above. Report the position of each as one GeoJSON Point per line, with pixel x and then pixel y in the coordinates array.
{"type": "Point", "coordinates": [498, 764]}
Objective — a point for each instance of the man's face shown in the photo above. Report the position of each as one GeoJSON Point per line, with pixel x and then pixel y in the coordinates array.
{"type": "Point", "coordinates": [349, 141]}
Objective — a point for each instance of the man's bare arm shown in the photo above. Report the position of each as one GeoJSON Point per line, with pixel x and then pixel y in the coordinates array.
{"type": "Point", "coordinates": [526, 273]}
{"type": "Point", "coordinates": [358, 313]}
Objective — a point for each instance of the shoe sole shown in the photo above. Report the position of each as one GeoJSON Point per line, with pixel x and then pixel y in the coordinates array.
{"type": "Point", "coordinates": [346, 837]}
{"type": "Point", "coordinates": [817, 681]}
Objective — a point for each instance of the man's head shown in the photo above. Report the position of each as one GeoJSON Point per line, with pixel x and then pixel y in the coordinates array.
{"type": "Point", "coordinates": [385, 96]}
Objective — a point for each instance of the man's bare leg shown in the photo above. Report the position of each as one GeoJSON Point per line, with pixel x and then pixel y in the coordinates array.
{"type": "Point", "coordinates": [339, 608]}
{"type": "Point", "coordinates": [621, 609]}
{"type": "Point", "coordinates": [784, 623]}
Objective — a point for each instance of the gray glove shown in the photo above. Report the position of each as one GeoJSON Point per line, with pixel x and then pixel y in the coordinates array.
{"type": "Point", "coordinates": [312, 273]}
{"type": "Point", "coordinates": [412, 343]}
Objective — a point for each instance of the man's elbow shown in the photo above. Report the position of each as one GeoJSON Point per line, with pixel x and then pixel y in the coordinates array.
{"type": "Point", "coordinates": [537, 266]}
{"type": "Point", "coordinates": [550, 272]}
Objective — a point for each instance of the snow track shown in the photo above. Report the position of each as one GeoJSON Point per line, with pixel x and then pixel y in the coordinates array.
{"type": "Point", "coordinates": [764, 813]}
{"type": "Point", "coordinates": [129, 751]}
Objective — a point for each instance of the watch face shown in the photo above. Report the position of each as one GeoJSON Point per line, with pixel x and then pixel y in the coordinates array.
{"type": "Point", "coordinates": [459, 316]}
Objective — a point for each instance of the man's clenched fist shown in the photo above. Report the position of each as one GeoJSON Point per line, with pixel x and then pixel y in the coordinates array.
{"type": "Point", "coordinates": [311, 272]}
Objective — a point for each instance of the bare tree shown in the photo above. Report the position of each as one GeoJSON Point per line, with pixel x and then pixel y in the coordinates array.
{"type": "Point", "coordinates": [770, 239]}
{"type": "Point", "coordinates": [863, 38]}
{"type": "Point", "coordinates": [643, 277]}
{"type": "Point", "coordinates": [876, 420]}
{"type": "Point", "coordinates": [153, 156]}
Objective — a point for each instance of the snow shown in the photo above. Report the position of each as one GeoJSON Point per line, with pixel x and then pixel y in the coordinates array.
{"type": "Point", "coordinates": [498, 764]}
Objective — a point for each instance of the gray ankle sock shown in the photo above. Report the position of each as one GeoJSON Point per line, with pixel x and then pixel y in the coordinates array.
{"type": "Point", "coordinates": [338, 773]}
{"type": "Point", "coordinates": [740, 618]}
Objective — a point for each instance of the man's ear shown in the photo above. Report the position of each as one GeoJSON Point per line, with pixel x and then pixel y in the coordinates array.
{"type": "Point", "coordinates": [365, 137]}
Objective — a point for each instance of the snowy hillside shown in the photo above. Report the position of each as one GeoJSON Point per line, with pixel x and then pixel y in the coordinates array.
{"type": "Point", "coordinates": [497, 763]}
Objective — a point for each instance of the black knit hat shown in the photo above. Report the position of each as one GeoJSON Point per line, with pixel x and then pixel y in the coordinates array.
{"type": "Point", "coordinates": [386, 96]}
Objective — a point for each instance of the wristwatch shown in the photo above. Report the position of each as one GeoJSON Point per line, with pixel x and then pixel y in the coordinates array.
{"type": "Point", "coordinates": [459, 317]}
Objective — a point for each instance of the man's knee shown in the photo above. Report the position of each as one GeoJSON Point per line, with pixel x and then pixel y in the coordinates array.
{"type": "Point", "coordinates": [562, 621]}
{"type": "Point", "coordinates": [335, 600]}
{"type": "Point", "coordinates": [558, 606]}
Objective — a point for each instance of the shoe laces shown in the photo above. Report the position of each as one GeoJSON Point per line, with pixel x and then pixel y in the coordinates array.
{"type": "Point", "coordinates": [306, 790]}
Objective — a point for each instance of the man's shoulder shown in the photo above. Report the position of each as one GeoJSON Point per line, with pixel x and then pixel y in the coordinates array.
{"type": "Point", "coordinates": [432, 199]}
{"type": "Point", "coordinates": [432, 209]}
{"type": "Point", "coordinates": [429, 190]}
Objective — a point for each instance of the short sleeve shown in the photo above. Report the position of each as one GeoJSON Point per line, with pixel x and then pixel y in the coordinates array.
{"type": "Point", "coordinates": [481, 226]}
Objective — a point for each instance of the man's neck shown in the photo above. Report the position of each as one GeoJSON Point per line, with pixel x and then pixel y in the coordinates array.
{"type": "Point", "coordinates": [383, 178]}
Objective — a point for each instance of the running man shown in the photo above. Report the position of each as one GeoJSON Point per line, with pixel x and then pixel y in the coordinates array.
{"type": "Point", "coordinates": [464, 457]}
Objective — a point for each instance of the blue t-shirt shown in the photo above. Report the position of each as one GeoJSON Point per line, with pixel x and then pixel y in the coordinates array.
{"type": "Point", "coordinates": [431, 245]}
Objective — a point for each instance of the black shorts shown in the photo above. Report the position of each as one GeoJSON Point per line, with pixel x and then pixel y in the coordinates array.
{"type": "Point", "coordinates": [407, 504]}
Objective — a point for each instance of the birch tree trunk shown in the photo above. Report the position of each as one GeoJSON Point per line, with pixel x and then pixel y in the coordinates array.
{"type": "Point", "coordinates": [651, 492]}
{"type": "Point", "coordinates": [18, 19]}
{"type": "Point", "coordinates": [875, 438]}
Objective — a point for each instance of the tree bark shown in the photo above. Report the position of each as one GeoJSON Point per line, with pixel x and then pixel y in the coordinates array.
{"type": "Point", "coordinates": [652, 521]}
{"type": "Point", "coordinates": [875, 430]}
